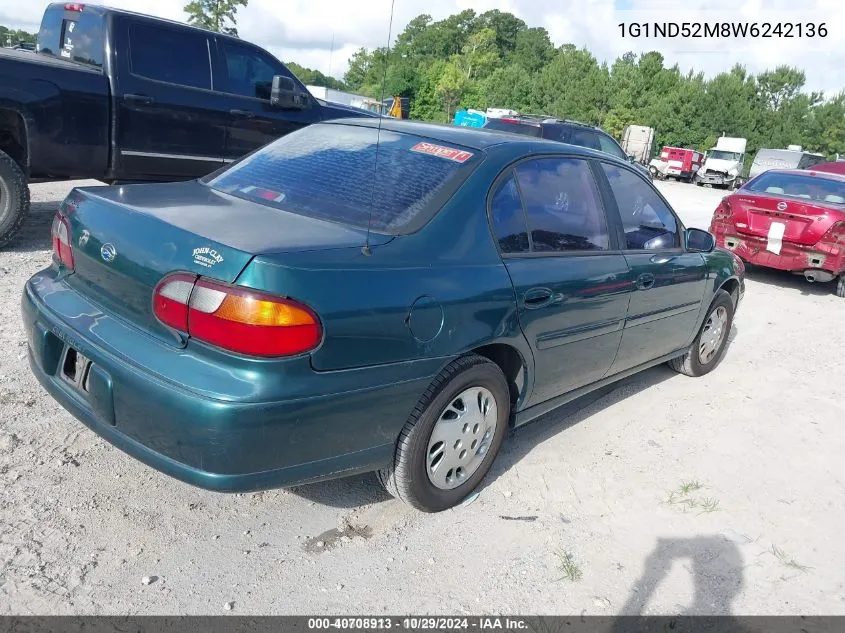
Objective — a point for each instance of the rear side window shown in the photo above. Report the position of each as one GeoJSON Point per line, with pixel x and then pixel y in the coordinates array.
{"type": "Point", "coordinates": [73, 35]}
{"type": "Point", "coordinates": [509, 218]}
{"type": "Point", "coordinates": [175, 57]}
{"type": "Point", "coordinates": [250, 74]}
{"type": "Point", "coordinates": [329, 172]}
{"type": "Point", "coordinates": [563, 205]}
{"type": "Point", "coordinates": [648, 222]}
{"type": "Point", "coordinates": [585, 138]}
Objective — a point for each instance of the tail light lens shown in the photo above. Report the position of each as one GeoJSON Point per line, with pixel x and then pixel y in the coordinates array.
{"type": "Point", "coordinates": [235, 318]}
{"type": "Point", "coordinates": [62, 251]}
{"type": "Point", "coordinates": [835, 234]}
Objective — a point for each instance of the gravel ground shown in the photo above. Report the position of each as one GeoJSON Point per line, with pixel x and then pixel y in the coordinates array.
{"type": "Point", "coordinates": [665, 494]}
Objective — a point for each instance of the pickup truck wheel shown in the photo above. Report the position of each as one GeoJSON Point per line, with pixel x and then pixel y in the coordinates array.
{"type": "Point", "coordinates": [14, 198]}
{"type": "Point", "coordinates": [452, 436]}
{"type": "Point", "coordinates": [840, 286]}
{"type": "Point", "coordinates": [709, 346]}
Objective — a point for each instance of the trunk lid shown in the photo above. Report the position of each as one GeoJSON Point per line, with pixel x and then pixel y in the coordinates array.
{"type": "Point", "coordinates": [126, 239]}
{"type": "Point", "coordinates": [805, 221]}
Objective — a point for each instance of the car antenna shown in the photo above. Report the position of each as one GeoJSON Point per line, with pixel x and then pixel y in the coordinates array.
{"type": "Point", "coordinates": [365, 250]}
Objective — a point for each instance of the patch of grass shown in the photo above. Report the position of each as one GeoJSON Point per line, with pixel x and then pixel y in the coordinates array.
{"type": "Point", "coordinates": [690, 486]}
{"type": "Point", "coordinates": [787, 561]}
{"type": "Point", "coordinates": [709, 505]}
{"type": "Point", "coordinates": [571, 570]}
{"type": "Point", "coordinates": [676, 499]}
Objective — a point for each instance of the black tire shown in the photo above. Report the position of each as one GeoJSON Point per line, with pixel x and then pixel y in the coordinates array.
{"type": "Point", "coordinates": [14, 198]}
{"type": "Point", "coordinates": [690, 363]}
{"type": "Point", "coordinates": [407, 478]}
{"type": "Point", "coordinates": [840, 286]}
{"type": "Point", "coordinates": [698, 183]}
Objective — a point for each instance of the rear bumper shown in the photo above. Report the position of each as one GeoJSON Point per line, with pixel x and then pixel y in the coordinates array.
{"type": "Point", "coordinates": [344, 423]}
{"type": "Point", "coordinates": [792, 257]}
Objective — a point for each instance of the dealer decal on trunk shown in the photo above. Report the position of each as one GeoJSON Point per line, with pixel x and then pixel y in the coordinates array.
{"type": "Point", "coordinates": [206, 256]}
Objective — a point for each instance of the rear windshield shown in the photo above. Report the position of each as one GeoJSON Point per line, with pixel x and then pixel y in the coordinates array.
{"type": "Point", "coordinates": [329, 171]}
{"type": "Point", "coordinates": [811, 188]}
{"type": "Point", "coordinates": [516, 128]}
{"type": "Point", "coordinates": [75, 35]}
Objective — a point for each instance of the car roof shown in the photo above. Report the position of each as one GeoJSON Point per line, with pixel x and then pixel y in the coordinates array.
{"type": "Point", "coordinates": [473, 138]}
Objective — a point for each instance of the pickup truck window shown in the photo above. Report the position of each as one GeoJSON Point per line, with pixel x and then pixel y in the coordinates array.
{"type": "Point", "coordinates": [73, 35]}
{"type": "Point", "coordinates": [175, 57]}
{"type": "Point", "coordinates": [250, 73]}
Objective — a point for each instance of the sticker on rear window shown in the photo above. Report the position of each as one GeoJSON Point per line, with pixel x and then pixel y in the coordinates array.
{"type": "Point", "coordinates": [449, 153]}
{"type": "Point", "coordinates": [266, 194]}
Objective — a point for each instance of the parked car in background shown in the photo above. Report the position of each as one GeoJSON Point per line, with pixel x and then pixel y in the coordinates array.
{"type": "Point", "coordinates": [833, 167]}
{"type": "Point", "coordinates": [793, 158]}
{"type": "Point", "coordinates": [677, 162]}
{"type": "Point", "coordinates": [173, 102]}
{"type": "Point", "coordinates": [563, 131]}
{"type": "Point", "coordinates": [790, 220]}
{"type": "Point", "coordinates": [307, 313]}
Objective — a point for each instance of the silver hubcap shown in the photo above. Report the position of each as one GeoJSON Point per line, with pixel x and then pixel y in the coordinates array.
{"type": "Point", "coordinates": [4, 195]}
{"type": "Point", "coordinates": [713, 334]}
{"type": "Point", "coordinates": [461, 438]}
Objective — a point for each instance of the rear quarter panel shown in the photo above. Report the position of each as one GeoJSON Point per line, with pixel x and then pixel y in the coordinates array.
{"type": "Point", "coordinates": [436, 293]}
{"type": "Point", "coordinates": [65, 108]}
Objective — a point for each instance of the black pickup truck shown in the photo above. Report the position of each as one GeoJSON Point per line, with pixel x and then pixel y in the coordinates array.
{"type": "Point", "coordinates": [122, 97]}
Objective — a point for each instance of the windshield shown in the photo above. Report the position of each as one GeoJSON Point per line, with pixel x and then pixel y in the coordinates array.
{"type": "Point", "coordinates": [720, 154]}
{"type": "Point", "coordinates": [329, 172]}
{"type": "Point", "coordinates": [813, 188]}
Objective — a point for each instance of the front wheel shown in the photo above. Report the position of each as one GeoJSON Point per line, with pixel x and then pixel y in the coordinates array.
{"type": "Point", "coordinates": [452, 437]}
{"type": "Point", "coordinates": [840, 286]}
{"type": "Point", "coordinates": [709, 346]}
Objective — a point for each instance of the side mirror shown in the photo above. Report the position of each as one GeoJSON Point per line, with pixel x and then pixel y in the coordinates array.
{"type": "Point", "coordinates": [700, 241]}
{"type": "Point", "coordinates": [286, 94]}
{"type": "Point", "coordinates": [632, 158]}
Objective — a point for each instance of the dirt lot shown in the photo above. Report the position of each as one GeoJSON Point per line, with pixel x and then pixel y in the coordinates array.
{"type": "Point", "coordinates": [665, 494]}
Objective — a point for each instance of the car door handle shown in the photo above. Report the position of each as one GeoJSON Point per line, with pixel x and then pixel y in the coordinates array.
{"type": "Point", "coordinates": [245, 114]}
{"type": "Point", "coordinates": [645, 281]}
{"type": "Point", "coordinates": [662, 259]}
{"type": "Point", "coordinates": [537, 298]}
{"type": "Point", "coordinates": [142, 99]}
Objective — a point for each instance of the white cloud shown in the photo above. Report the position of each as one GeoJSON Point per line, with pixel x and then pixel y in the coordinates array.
{"type": "Point", "coordinates": [323, 34]}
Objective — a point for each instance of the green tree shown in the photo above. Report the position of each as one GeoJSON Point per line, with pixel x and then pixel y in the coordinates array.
{"type": "Point", "coordinates": [215, 15]}
{"type": "Point", "coordinates": [451, 86]}
{"type": "Point", "coordinates": [313, 77]}
{"type": "Point", "coordinates": [13, 37]}
{"type": "Point", "coordinates": [533, 50]}
{"type": "Point", "coordinates": [573, 85]}
{"type": "Point", "coordinates": [479, 55]}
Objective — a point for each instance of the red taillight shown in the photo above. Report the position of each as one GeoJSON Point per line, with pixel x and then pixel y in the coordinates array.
{"type": "Point", "coordinates": [74, 6]}
{"type": "Point", "coordinates": [62, 251]}
{"type": "Point", "coordinates": [510, 120]}
{"type": "Point", "coordinates": [235, 318]}
{"type": "Point", "coordinates": [835, 234]}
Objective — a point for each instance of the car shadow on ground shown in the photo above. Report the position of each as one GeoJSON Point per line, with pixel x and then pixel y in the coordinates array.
{"type": "Point", "coordinates": [359, 490]}
{"type": "Point", "coordinates": [788, 281]}
{"type": "Point", "coordinates": [35, 232]}
{"type": "Point", "coordinates": [715, 564]}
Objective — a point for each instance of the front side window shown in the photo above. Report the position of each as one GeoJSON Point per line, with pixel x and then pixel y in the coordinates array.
{"type": "Point", "coordinates": [250, 73]}
{"type": "Point", "coordinates": [562, 205]}
{"type": "Point", "coordinates": [648, 222]}
{"type": "Point", "coordinates": [175, 57]}
{"type": "Point", "coordinates": [585, 138]}
{"type": "Point", "coordinates": [610, 146]}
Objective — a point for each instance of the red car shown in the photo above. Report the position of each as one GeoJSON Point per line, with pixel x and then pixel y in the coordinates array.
{"type": "Point", "coordinates": [834, 167]}
{"type": "Point", "coordinates": [790, 220]}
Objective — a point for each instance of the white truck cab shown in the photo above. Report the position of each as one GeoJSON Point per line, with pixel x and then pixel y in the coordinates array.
{"type": "Point", "coordinates": [723, 164]}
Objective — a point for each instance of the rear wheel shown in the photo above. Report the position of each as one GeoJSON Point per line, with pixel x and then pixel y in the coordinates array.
{"type": "Point", "coordinates": [840, 286]}
{"type": "Point", "coordinates": [14, 198]}
{"type": "Point", "coordinates": [709, 346]}
{"type": "Point", "coordinates": [452, 437]}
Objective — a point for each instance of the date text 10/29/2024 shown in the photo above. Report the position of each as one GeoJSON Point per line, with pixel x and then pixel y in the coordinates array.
{"type": "Point", "coordinates": [724, 30]}
{"type": "Point", "coordinates": [419, 623]}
